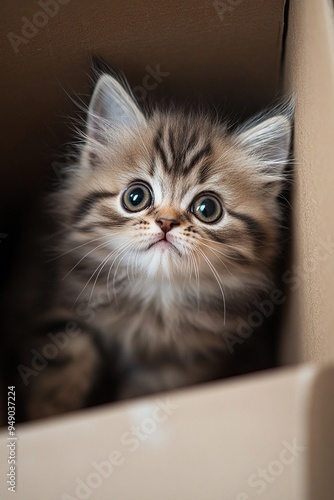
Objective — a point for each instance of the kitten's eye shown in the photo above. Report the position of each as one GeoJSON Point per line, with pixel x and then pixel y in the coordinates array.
{"type": "Point", "coordinates": [137, 197]}
{"type": "Point", "coordinates": [207, 208]}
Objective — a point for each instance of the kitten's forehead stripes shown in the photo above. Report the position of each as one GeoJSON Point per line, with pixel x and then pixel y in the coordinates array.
{"type": "Point", "coordinates": [159, 149]}
{"type": "Point", "coordinates": [87, 203]}
{"type": "Point", "coordinates": [152, 167]}
{"type": "Point", "coordinates": [205, 152]}
{"type": "Point", "coordinates": [204, 173]}
{"type": "Point", "coordinates": [192, 140]}
{"type": "Point", "coordinates": [171, 143]}
{"type": "Point", "coordinates": [173, 153]}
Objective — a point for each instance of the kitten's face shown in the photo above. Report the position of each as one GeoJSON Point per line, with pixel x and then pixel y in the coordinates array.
{"type": "Point", "coordinates": [177, 197]}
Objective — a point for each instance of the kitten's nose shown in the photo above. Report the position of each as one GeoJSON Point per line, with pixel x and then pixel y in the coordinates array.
{"type": "Point", "coordinates": [166, 224]}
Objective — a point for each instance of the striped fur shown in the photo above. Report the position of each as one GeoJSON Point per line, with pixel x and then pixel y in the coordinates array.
{"type": "Point", "coordinates": [160, 314]}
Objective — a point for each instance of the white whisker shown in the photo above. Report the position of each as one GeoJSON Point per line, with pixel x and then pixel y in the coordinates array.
{"type": "Point", "coordinates": [220, 260]}
{"type": "Point", "coordinates": [122, 247]}
{"type": "Point", "coordinates": [79, 246]}
{"type": "Point", "coordinates": [86, 255]}
{"type": "Point", "coordinates": [217, 277]}
{"type": "Point", "coordinates": [96, 270]}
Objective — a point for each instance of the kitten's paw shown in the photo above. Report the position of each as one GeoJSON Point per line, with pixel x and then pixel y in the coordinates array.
{"type": "Point", "coordinates": [65, 381]}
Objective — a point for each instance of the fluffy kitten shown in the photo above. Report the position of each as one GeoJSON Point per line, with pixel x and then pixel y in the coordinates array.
{"type": "Point", "coordinates": [171, 231]}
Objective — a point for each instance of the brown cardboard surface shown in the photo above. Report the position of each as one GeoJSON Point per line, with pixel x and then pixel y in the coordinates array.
{"type": "Point", "coordinates": [320, 479]}
{"type": "Point", "coordinates": [309, 334]}
{"type": "Point", "coordinates": [233, 61]}
{"type": "Point", "coordinates": [212, 442]}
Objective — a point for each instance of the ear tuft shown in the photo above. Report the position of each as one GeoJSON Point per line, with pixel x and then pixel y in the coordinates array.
{"type": "Point", "coordinates": [111, 110]}
{"type": "Point", "coordinates": [269, 140]}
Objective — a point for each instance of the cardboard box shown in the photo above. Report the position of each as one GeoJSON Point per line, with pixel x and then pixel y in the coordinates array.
{"type": "Point", "coordinates": [268, 434]}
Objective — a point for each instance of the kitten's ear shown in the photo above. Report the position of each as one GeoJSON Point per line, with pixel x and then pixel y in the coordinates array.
{"type": "Point", "coordinates": [111, 110]}
{"type": "Point", "coordinates": [270, 141]}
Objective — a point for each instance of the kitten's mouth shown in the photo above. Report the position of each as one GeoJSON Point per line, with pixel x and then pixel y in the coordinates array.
{"type": "Point", "coordinates": [164, 245]}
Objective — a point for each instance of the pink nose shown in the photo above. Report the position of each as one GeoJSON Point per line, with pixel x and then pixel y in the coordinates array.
{"type": "Point", "coordinates": [166, 224]}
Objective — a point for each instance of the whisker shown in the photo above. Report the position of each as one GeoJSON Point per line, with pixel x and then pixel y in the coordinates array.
{"type": "Point", "coordinates": [233, 247]}
{"type": "Point", "coordinates": [86, 255]}
{"type": "Point", "coordinates": [79, 246]}
{"type": "Point", "coordinates": [217, 277]}
{"type": "Point", "coordinates": [124, 252]}
{"type": "Point", "coordinates": [196, 272]}
{"type": "Point", "coordinates": [223, 244]}
{"type": "Point", "coordinates": [101, 266]}
{"type": "Point", "coordinates": [220, 260]}
{"type": "Point", "coordinates": [126, 245]}
{"type": "Point", "coordinates": [92, 275]}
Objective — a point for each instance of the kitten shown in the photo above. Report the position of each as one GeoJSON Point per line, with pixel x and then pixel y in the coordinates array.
{"type": "Point", "coordinates": [171, 231]}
